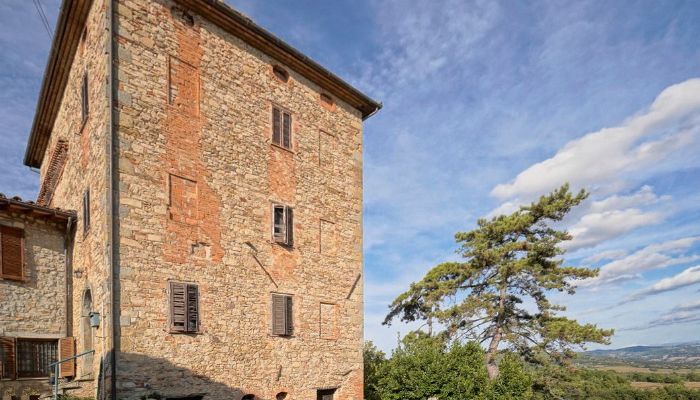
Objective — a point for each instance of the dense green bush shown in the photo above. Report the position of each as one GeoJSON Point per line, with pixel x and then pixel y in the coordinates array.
{"type": "Point", "coordinates": [423, 368]}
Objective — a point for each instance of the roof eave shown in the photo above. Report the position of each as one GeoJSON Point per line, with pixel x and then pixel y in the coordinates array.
{"type": "Point", "coordinates": [243, 27]}
{"type": "Point", "coordinates": [69, 26]}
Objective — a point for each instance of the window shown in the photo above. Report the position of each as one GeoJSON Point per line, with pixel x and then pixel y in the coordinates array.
{"type": "Point", "coordinates": [86, 211]}
{"type": "Point", "coordinates": [34, 357]}
{"type": "Point", "coordinates": [11, 253]}
{"type": "Point", "coordinates": [184, 307]}
{"type": "Point", "coordinates": [282, 315]}
{"type": "Point", "coordinates": [281, 396]}
{"type": "Point", "coordinates": [325, 394]}
{"type": "Point", "coordinates": [281, 128]}
{"type": "Point", "coordinates": [85, 105]}
{"type": "Point", "coordinates": [283, 224]}
{"type": "Point", "coordinates": [280, 73]}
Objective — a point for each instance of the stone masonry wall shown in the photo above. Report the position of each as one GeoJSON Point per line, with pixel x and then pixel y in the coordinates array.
{"type": "Point", "coordinates": [86, 168]}
{"type": "Point", "coordinates": [198, 176]}
{"type": "Point", "coordinates": [35, 307]}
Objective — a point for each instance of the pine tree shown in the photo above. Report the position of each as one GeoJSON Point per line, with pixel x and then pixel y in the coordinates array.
{"type": "Point", "coordinates": [499, 293]}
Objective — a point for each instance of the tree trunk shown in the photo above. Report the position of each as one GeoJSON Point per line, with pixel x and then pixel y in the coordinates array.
{"type": "Point", "coordinates": [491, 365]}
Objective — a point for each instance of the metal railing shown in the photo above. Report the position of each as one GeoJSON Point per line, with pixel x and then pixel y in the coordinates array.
{"type": "Point", "coordinates": [57, 370]}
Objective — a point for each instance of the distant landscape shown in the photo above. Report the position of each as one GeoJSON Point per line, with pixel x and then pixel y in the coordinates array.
{"type": "Point", "coordinates": [649, 367]}
{"type": "Point", "coordinates": [671, 357]}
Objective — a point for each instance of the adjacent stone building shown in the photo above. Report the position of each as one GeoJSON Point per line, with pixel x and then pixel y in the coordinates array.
{"type": "Point", "coordinates": [217, 174]}
{"type": "Point", "coordinates": [34, 291]}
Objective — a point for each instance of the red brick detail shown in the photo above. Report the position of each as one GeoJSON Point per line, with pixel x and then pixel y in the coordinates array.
{"type": "Point", "coordinates": [57, 162]}
{"type": "Point", "coordinates": [193, 228]}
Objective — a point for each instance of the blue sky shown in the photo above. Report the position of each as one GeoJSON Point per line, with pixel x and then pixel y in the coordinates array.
{"type": "Point", "coordinates": [487, 105]}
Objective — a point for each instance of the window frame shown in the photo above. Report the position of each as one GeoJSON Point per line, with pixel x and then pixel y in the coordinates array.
{"type": "Point", "coordinates": [86, 212]}
{"type": "Point", "coordinates": [84, 98]}
{"type": "Point", "coordinates": [186, 327]}
{"type": "Point", "coordinates": [21, 233]}
{"type": "Point", "coordinates": [285, 238]}
{"type": "Point", "coordinates": [288, 304]}
{"type": "Point", "coordinates": [36, 372]}
{"type": "Point", "coordinates": [283, 112]}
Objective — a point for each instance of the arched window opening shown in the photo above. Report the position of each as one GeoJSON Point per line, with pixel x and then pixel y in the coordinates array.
{"type": "Point", "coordinates": [86, 335]}
{"type": "Point", "coordinates": [280, 73]}
{"type": "Point", "coordinates": [281, 396]}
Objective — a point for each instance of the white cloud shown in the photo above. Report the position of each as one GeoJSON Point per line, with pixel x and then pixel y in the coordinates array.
{"type": "Point", "coordinates": [596, 228]}
{"type": "Point", "coordinates": [599, 159]}
{"type": "Point", "coordinates": [654, 256]}
{"type": "Point", "coordinates": [605, 255]}
{"type": "Point", "coordinates": [690, 276]}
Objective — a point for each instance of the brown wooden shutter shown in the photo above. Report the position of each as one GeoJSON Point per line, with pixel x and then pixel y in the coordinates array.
{"type": "Point", "coordinates": [8, 359]}
{"type": "Point", "coordinates": [66, 348]}
{"type": "Point", "coordinates": [278, 315]}
{"type": "Point", "coordinates": [178, 307]}
{"type": "Point", "coordinates": [289, 316]}
{"type": "Point", "coordinates": [276, 126]}
{"type": "Point", "coordinates": [287, 131]}
{"type": "Point", "coordinates": [192, 308]}
{"type": "Point", "coordinates": [290, 226]}
{"type": "Point", "coordinates": [12, 253]}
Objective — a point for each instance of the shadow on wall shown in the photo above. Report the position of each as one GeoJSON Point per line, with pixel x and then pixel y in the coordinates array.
{"type": "Point", "coordinates": [140, 377]}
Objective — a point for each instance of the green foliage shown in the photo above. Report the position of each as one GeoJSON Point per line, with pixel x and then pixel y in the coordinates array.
{"type": "Point", "coordinates": [513, 381]}
{"type": "Point", "coordinates": [375, 361]}
{"type": "Point", "coordinates": [508, 260]}
{"type": "Point", "coordinates": [424, 367]}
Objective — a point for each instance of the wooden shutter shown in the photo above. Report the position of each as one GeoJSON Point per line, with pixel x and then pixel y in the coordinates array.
{"type": "Point", "coordinates": [289, 214]}
{"type": "Point", "coordinates": [276, 126]}
{"type": "Point", "coordinates": [178, 307]}
{"type": "Point", "coordinates": [8, 358]}
{"type": "Point", "coordinates": [288, 316]}
{"type": "Point", "coordinates": [192, 308]}
{"type": "Point", "coordinates": [12, 253]}
{"type": "Point", "coordinates": [66, 348]}
{"type": "Point", "coordinates": [287, 131]}
{"type": "Point", "coordinates": [278, 315]}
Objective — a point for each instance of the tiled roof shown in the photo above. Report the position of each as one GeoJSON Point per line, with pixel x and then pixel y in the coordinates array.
{"type": "Point", "coordinates": [17, 204]}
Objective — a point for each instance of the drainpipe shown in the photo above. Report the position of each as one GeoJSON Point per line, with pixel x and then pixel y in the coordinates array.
{"type": "Point", "coordinates": [112, 185]}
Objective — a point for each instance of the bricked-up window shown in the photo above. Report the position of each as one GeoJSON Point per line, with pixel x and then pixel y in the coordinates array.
{"type": "Point", "coordinates": [86, 211]}
{"type": "Point", "coordinates": [282, 315]}
{"type": "Point", "coordinates": [184, 307]}
{"type": "Point", "coordinates": [283, 224]}
{"type": "Point", "coordinates": [8, 364]}
{"type": "Point", "coordinates": [84, 101]}
{"type": "Point", "coordinates": [325, 394]}
{"type": "Point", "coordinates": [11, 253]}
{"type": "Point", "coordinates": [281, 128]}
{"type": "Point", "coordinates": [34, 357]}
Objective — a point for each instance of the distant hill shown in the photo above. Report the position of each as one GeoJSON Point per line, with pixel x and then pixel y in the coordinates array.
{"type": "Point", "coordinates": [682, 355]}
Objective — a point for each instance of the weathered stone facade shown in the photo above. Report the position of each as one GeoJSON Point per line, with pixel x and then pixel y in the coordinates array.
{"type": "Point", "coordinates": [34, 306]}
{"type": "Point", "coordinates": [195, 176]}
